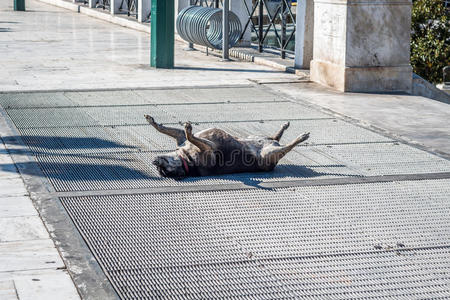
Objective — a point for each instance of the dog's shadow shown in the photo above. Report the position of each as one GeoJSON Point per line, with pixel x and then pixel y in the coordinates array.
{"type": "Point", "coordinates": [282, 172]}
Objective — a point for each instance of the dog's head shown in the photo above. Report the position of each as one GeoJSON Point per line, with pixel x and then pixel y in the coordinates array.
{"type": "Point", "coordinates": [170, 165]}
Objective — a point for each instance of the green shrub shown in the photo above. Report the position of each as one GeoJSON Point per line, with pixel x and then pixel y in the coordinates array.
{"type": "Point", "coordinates": [430, 39]}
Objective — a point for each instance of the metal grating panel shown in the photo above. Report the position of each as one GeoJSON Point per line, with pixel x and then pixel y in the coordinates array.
{"type": "Point", "coordinates": [72, 140]}
{"type": "Point", "coordinates": [175, 96]}
{"type": "Point", "coordinates": [129, 115]}
{"type": "Point", "coordinates": [382, 275]}
{"type": "Point", "coordinates": [28, 100]}
{"type": "Point", "coordinates": [378, 240]}
{"type": "Point", "coordinates": [397, 214]}
{"type": "Point", "coordinates": [436, 261]}
{"type": "Point", "coordinates": [86, 116]}
{"type": "Point", "coordinates": [322, 132]}
{"type": "Point", "coordinates": [130, 170]}
{"type": "Point", "coordinates": [186, 96]}
{"type": "Point", "coordinates": [279, 223]}
{"type": "Point", "coordinates": [106, 98]}
{"type": "Point", "coordinates": [273, 244]}
{"type": "Point", "coordinates": [385, 159]}
{"type": "Point", "coordinates": [241, 112]}
{"type": "Point", "coordinates": [50, 117]}
{"type": "Point", "coordinates": [178, 253]}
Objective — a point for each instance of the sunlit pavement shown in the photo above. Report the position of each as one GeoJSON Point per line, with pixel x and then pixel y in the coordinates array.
{"type": "Point", "coordinates": [354, 213]}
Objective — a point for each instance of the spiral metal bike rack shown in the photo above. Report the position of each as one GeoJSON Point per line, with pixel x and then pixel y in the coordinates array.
{"type": "Point", "coordinates": [203, 26]}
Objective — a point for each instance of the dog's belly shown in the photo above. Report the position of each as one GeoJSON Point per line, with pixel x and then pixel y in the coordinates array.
{"type": "Point", "coordinates": [234, 155]}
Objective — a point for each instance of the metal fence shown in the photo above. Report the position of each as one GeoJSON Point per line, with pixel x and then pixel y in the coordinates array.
{"type": "Point", "coordinates": [105, 4]}
{"type": "Point", "coordinates": [208, 3]}
{"type": "Point", "coordinates": [129, 7]}
{"type": "Point", "coordinates": [273, 25]}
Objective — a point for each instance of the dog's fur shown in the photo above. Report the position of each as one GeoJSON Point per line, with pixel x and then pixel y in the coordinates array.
{"type": "Point", "coordinates": [213, 151]}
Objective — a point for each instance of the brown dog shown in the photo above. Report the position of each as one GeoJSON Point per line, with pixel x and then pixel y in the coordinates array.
{"type": "Point", "coordinates": [213, 151]}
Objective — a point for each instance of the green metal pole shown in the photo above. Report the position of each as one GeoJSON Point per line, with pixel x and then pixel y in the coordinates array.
{"type": "Point", "coordinates": [19, 5]}
{"type": "Point", "coordinates": [162, 34]}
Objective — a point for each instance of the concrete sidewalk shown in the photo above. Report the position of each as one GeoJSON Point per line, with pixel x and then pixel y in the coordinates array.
{"type": "Point", "coordinates": [352, 211]}
{"type": "Point", "coordinates": [48, 48]}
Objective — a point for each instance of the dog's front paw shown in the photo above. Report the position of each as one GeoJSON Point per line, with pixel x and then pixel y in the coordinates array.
{"type": "Point", "coordinates": [188, 127]}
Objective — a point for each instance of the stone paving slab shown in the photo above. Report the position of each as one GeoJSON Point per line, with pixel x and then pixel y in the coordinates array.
{"type": "Point", "coordinates": [8, 290]}
{"type": "Point", "coordinates": [22, 228]}
{"type": "Point", "coordinates": [12, 187]}
{"type": "Point", "coordinates": [29, 255]}
{"type": "Point", "coordinates": [37, 284]}
{"type": "Point", "coordinates": [17, 206]}
{"type": "Point", "coordinates": [25, 243]}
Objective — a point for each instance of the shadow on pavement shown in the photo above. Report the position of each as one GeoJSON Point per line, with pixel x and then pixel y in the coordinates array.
{"type": "Point", "coordinates": [90, 160]}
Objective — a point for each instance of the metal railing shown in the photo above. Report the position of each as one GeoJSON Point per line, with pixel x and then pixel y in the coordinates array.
{"type": "Point", "coordinates": [208, 3]}
{"type": "Point", "coordinates": [130, 7]}
{"type": "Point", "coordinates": [105, 4]}
{"type": "Point", "coordinates": [273, 25]}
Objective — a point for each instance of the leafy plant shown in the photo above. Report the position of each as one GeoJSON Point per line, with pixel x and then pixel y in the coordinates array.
{"type": "Point", "coordinates": [430, 39]}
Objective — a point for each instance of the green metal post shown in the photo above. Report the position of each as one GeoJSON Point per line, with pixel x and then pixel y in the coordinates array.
{"type": "Point", "coordinates": [162, 33]}
{"type": "Point", "coordinates": [19, 5]}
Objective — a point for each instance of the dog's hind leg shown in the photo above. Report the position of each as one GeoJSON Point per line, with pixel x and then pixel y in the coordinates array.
{"type": "Point", "coordinates": [202, 144]}
{"type": "Point", "coordinates": [280, 132]}
{"type": "Point", "coordinates": [272, 154]}
{"type": "Point", "coordinates": [176, 133]}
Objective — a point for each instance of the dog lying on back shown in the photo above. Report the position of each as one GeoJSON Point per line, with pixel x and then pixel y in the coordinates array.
{"type": "Point", "coordinates": [213, 151]}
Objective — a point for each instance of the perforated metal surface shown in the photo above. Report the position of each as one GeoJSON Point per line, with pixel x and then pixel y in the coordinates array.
{"type": "Point", "coordinates": [63, 140]}
{"type": "Point", "coordinates": [241, 112]}
{"type": "Point", "coordinates": [410, 214]}
{"type": "Point", "coordinates": [175, 96]}
{"type": "Point", "coordinates": [220, 240]}
{"type": "Point", "coordinates": [50, 117]}
{"type": "Point", "coordinates": [130, 170]}
{"type": "Point", "coordinates": [384, 159]}
{"type": "Point", "coordinates": [323, 132]}
{"type": "Point", "coordinates": [136, 97]}
{"type": "Point", "coordinates": [274, 244]}
{"type": "Point", "coordinates": [28, 100]}
{"type": "Point", "coordinates": [383, 275]}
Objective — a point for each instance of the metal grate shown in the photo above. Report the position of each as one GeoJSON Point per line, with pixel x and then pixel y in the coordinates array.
{"type": "Point", "coordinates": [383, 275]}
{"type": "Point", "coordinates": [323, 132]}
{"type": "Point", "coordinates": [132, 170]}
{"type": "Point", "coordinates": [28, 100]}
{"type": "Point", "coordinates": [74, 140]}
{"type": "Point", "coordinates": [398, 215]}
{"type": "Point", "coordinates": [50, 117]}
{"type": "Point", "coordinates": [106, 98]}
{"type": "Point", "coordinates": [241, 112]}
{"type": "Point", "coordinates": [136, 97]}
{"type": "Point", "coordinates": [341, 241]}
{"type": "Point", "coordinates": [385, 159]}
{"type": "Point", "coordinates": [275, 244]}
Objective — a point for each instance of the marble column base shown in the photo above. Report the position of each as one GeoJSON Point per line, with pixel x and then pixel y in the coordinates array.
{"type": "Point", "coordinates": [362, 79]}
